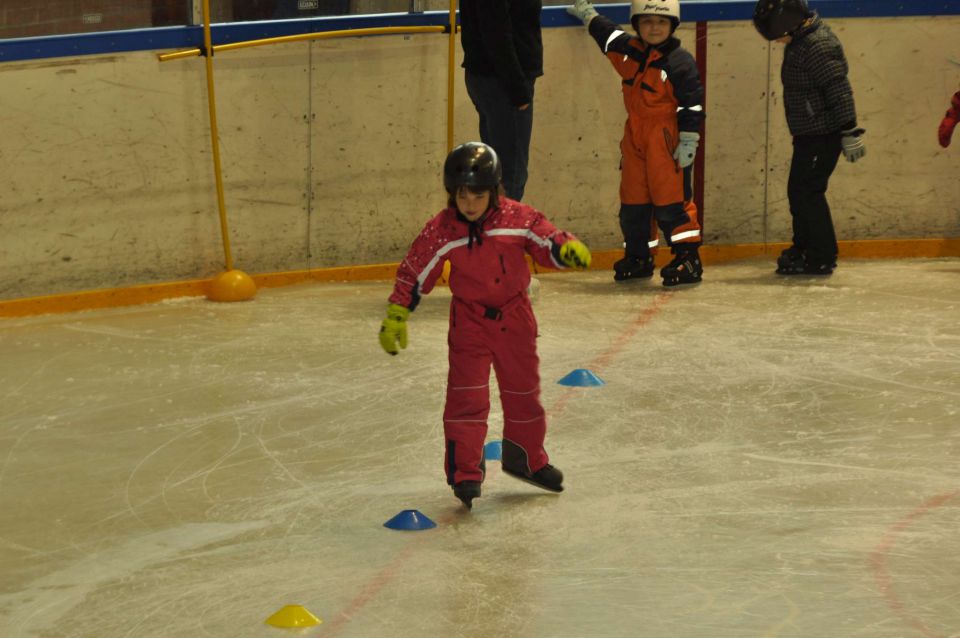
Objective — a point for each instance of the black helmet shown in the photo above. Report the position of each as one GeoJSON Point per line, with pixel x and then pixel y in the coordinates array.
{"type": "Point", "coordinates": [472, 164]}
{"type": "Point", "coordinates": [777, 18]}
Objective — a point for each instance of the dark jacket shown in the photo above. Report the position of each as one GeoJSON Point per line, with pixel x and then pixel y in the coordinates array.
{"type": "Point", "coordinates": [816, 92]}
{"type": "Point", "coordinates": [660, 81]}
{"type": "Point", "coordinates": [502, 38]}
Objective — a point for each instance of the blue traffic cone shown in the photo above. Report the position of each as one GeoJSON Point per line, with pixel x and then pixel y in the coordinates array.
{"type": "Point", "coordinates": [581, 377]}
{"type": "Point", "coordinates": [410, 520]}
{"type": "Point", "coordinates": [493, 451]}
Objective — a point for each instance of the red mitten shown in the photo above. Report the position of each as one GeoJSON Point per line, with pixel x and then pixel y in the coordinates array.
{"type": "Point", "coordinates": [950, 120]}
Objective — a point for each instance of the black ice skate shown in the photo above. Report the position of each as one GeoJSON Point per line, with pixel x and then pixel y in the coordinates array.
{"type": "Point", "coordinates": [633, 268]}
{"type": "Point", "coordinates": [684, 269]}
{"type": "Point", "coordinates": [819, 269]}
{"type": "Point", "coordinates": [792, 261]}
{"type": "Point", "coordinates": [466, 491]}
{"type": "Point", "coordinates": [514, 463]}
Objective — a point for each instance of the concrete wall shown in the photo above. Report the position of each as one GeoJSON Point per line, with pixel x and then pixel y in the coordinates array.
{"type": "Point", "coordinates": [332, 152]}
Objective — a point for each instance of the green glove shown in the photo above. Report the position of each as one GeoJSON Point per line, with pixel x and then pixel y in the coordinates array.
{"type": "Point", "coordinates": [575, 254]}
{"type": "Point", "coordinates": [393, 330]}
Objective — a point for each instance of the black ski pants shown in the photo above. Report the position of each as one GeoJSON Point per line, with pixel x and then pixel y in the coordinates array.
{"type": "Point", "coordinates": [504, 127]}
{"type": "Point", "coordinates": [814, 159]}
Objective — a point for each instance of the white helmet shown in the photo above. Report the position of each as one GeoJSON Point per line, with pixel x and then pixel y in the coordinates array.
{"type": "Point", "coordinates": [666, 8]}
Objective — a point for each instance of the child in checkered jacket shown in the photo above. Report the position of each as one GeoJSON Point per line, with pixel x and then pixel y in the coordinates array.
{"type": "Point", "coordinates": [823, 121]}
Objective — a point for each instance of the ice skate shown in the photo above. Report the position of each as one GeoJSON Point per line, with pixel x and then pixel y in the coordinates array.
{"type": "Point", "coordinates": [791, 262]}
{"type": "Point", "coordinates": [633, 268]}
{"type": "Point", "coordinates": [819, 269]}
{"type": "Point", "coordinates": [684, 269]}
{"type": "Point", "coordinates": [514, 463]}
{"type": "Point", "coordinates": [466, 491]}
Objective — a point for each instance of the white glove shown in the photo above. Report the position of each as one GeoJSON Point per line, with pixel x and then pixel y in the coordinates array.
{"type": "Point", "coordinates": [852, 143]}
{"type": "Point", "coordinates": [583, 11]}
{"type": "Point", "coordinates": [687, 148]}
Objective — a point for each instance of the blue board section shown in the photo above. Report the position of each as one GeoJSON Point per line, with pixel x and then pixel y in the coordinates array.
{"type": "Point", "coordinates": [172, 38]}
{"type": "Point", "coordinates": [186, 37]}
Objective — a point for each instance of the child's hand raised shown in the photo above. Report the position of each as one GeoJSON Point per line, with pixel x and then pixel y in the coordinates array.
{"type": "Point", "coordinates": [583, 11]}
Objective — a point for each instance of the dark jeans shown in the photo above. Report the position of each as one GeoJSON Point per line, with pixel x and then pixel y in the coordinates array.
{"type": "Point", "coordinates": [814, 158]}
{"type": "Point", "coordinates": [504, 127]}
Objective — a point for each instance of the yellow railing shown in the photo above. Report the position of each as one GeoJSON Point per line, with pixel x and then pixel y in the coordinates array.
{"type": "Point", "coordinates": [302, 37]}
{"type": "Point", "coordinates": [233, 284]}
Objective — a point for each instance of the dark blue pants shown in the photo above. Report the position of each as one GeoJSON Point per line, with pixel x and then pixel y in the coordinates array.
{"type": "Point", "coordinates": [504, 127]}
{"type": "Point", "coordinates": [814, 159]}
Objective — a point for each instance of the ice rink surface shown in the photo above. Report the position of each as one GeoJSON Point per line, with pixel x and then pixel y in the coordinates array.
{"type": "Point", "coordinates": [769, 457]}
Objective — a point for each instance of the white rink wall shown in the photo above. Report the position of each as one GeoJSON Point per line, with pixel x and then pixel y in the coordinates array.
{"type": "Point", "coordinates": [332, 151]}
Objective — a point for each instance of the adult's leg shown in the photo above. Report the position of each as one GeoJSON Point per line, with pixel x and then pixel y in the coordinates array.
{"type": "Point", "coordinates": [504, 127]}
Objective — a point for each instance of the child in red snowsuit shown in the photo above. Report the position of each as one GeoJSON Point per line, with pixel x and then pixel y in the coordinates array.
{"type": "Point", "coordinates": [485, 237]}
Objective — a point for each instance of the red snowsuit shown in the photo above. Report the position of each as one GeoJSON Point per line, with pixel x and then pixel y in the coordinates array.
{"type": "Point", "coordinates": [491, 322]}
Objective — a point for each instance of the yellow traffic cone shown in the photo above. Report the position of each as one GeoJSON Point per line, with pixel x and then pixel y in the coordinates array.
{"type": "Point", "coordinates": [293, 616]}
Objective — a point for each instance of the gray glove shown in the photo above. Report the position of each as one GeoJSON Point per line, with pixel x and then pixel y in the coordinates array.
{"type": "Point", "coordinates": [583, 11]}
{"type": "Point", "coordinates": [852, 143]}
{"type": "Point", "coordinates": [687, 148]}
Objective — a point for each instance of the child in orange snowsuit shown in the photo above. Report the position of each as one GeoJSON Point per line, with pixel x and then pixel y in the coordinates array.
{"type": "Point", "coordinates": [663, 97]}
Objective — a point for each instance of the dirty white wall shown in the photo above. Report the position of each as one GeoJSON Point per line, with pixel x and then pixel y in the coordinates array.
{"type": "Point", "coordinates": [332, 151]}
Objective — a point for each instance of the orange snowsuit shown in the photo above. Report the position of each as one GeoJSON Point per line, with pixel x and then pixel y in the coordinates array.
{"type": "Point", "coordinates": [663, 96]}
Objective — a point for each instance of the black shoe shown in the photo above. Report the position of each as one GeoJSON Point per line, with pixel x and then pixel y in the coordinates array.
{"type": "Point", "coordinates": [633, 268]}
{"type": "Point", "coordinates": [514, 463]}
{"type": "Point", "coordinates": [684, 269]}
{"type": "Point", "coordinates": [466, 491]}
